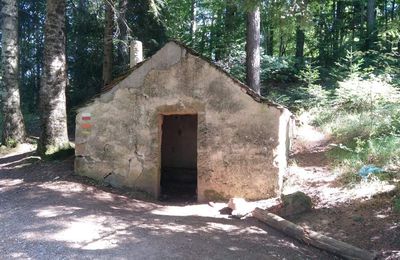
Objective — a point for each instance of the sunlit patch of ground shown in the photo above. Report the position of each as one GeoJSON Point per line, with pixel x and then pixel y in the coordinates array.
{"type": "Point", "coordinates": [361, 214]}
{"type": "Point", "coordinates": [20, 149]}
{"type": "Point", "coordinates": [72, 214]}
{"type": "Point", "coordinates": [321, 184]}
{"type": "Point", "coordinates": [191, 210]}
{"type": "Point", "coordinates": [48, 213]}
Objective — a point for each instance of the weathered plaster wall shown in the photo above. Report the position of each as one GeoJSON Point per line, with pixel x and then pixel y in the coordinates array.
{"type": "Point", "coordinates": [241, 143]}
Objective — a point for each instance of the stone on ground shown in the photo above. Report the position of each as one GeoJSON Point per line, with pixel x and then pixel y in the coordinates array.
{"type": "Point", "coordinates": [240, 207]}
{"type": "Point", "coordinates": [293, 204]}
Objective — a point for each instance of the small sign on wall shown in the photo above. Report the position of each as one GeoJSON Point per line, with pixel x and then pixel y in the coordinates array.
{"type": "Point", "coordinates": [86, 123]}
{"type": "Point", "coordinates": [86, 116]}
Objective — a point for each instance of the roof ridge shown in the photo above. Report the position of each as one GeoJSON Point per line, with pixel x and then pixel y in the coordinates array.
{"type": "Point", "coordinates": [249, 91]}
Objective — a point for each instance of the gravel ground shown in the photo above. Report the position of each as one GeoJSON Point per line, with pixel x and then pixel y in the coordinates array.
{"type": "Point", "coordinates": [46, 213]}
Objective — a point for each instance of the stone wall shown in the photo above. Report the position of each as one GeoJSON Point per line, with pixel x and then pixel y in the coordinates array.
{"type": "Point", "coordinates": [242, 144]}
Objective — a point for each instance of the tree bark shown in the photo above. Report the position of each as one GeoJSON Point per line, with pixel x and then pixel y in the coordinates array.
{"type": "Point", "coordinates": [229, 25]}
{"type": "Point", "coordinates": [217, 34]}
{"type": "Point", "coordinates": [108, 42]}
{"type": "Point", "coordinates": [337, 28]}
{"type": "Point", "coordinates": [193, 24]}
{"type": "Point", "coordinates": [392, 10]}
{"type": "Point", "coordinates": [54, 134]}
{"type": "Point", "coordinates": [371, 21]}
{"type": "Point", "coordinates": [358, 21]}
{"type": "Point", "coordinates": [282, 46]}
{"type": "Point", "coordinates": [270, 41]}
{"type": "Point", "coordinates": [38, 56]}
{"type": "Point", "coordinates": [13, 131]}
{"type": "Point", "coordinates": [300, 38]}
{"type": "Point", "coordinates": [211, 38]}
{"type": "Point", "coordinates": [253, 50]}
{"type": "Point", "coordinates": [124, 35]}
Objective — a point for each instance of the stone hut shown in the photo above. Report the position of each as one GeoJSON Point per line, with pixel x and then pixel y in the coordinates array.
{"type": "Point", "coordinates": [177, 125]}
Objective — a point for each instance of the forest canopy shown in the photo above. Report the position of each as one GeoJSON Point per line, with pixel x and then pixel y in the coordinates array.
{"type": "Point", "coordinates": [302, 49]}
{"type": "Point", "coordinates": [292, 32]}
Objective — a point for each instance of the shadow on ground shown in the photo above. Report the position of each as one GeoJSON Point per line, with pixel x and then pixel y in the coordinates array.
{"type": "Point", "coordinates": [361, 214]}
{"type": "Point", "coordinates": [47, 213]}
{"type": "Point", "coordinates": [369, 224]}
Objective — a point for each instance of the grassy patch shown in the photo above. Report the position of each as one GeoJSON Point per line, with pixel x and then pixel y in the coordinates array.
{"type": "Point", "coordinates": [383, 152]}
{"type": "Point", "coordinates": [396, 205]}
{"type": "Point", "coordinates": [364, 120]}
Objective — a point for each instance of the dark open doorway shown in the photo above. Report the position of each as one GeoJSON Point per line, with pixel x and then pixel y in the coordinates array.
{"type": "Point", "coordinates": [179, 157]}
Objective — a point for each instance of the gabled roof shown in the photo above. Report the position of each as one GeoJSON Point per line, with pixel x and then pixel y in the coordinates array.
{"type": "Point", "coordinates": [243, 86]}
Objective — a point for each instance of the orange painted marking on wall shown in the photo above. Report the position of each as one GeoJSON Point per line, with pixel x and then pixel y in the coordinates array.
{"type": "Point", "coordinates": [86, 126]}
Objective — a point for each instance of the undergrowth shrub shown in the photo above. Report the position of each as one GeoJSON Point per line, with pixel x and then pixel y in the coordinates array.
{"type": "Point", "coordinates": [396, 204]}
{"type": "Point", "coordinates": [356, 94]}
{"type": "Point", "coordinates": [273, 68]}
{"type": "Point", "coordinates": [317, 95]}
{"type": "Point", "coordinates": [303, 94]}
{"type": "Point", "coordinates": [280, 69]}
{"type": "Point", "coordinates": [364, 120]}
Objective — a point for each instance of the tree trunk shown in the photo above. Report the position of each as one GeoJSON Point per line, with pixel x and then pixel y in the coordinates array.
{"type": "Point", "coordinates": [193, 24]}
{"type": "Point", "coordinates": [371, 19]}
{"type": "Point", "coordinates": [392, 18]}
{"type": "Point", "coordinates": [124, 33]}
{"type": "Point", "coordinates": [38, 56]}
{"type": "Point", "coordinates": [320, 33]}
{"type": "Point", "coordinates": [218, 36]}
{"type": "Point", "coordinates": [253, 50]}
{"type": "Point", "coordinates": [337, 28]}
{"type": "Point", "coordinates": [282, 46]}
{"type": "Point", "coordinates": [385, 12]}
{"type": "Point", "coordinates": [398, 48]}
{"type": "Point", "coordinates": [228, 28]}
{"type": "Point", "coordinates": [13, 123]}
{"type": "Point", "coordinates": [358, 21]}
{"type": "Point", "coordinates": [108, 42]}
{"type": "Point", "coordinates": [300, 37]}
{"type": "Point", "coordinates": [392, 10]}
{"type": "Point", "coordinates": [54, 134]}
{"type": "Point", "coordinates": [211, 38]}
{"type": "Point", "coordinates": [270, 41]}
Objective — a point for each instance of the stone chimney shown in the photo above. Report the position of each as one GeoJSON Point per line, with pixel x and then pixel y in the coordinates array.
{"type": "Point", "coordinates": [136, 53]}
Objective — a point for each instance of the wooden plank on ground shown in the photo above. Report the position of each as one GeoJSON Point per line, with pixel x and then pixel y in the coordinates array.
{"type": "Point", "coordinates": [311, 237]}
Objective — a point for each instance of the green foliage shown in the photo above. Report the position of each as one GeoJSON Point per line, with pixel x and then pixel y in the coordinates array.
{"type": "Point", "coordinates": [382, 151]}
{"type": "Point", "coordinates": [156, 6]}
{"type": "Point", "coordinates": [317, 96]}
{"type": "Point", "coordinates": [350, 65]}
{"type": "Point", "coordinates": [396, 205]}
{"type": "Point", "coordinates": [235, 61]}
{"type": "Point", "coordinates": [306, 93]}
{"type": "Point", "coordinates": [356, 94]}
{"type": "Point", "coordinates": [281, 69]}
{"type": "Point", "coordinates": [364, 118]}
{"type": "Point", "coordinates": [309, 75]}
{"type": "Point", "coordinates": [11, 143]}
{"type": "Point", "coordinates": [363, 105]}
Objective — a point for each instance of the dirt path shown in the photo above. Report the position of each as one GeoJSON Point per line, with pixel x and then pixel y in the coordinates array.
{"type": "Point", "coordinates": [361, 215]}
{"type": "Point", "coordinates": [46, 213]}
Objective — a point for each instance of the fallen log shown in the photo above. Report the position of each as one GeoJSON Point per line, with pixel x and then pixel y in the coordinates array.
{"type": "Point", "coordinates": [313, 238]}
